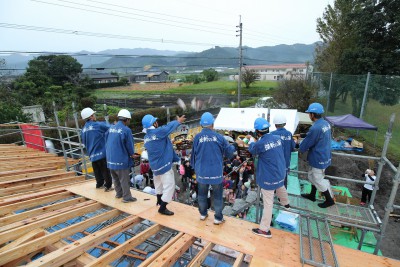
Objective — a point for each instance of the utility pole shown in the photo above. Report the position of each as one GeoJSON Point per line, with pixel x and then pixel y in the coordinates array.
{"type": "Point", "coordinates": [240, 58]}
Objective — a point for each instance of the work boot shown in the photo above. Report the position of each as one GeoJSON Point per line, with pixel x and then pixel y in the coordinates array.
{"type": "Point", "coordinates": [159, 199]}
{"type": "Point", "coordinates": [328, 200]}
{"type": "Point", "coordinates": [311, 196]}
{"type": "Point", "coordinates": [163, 209]}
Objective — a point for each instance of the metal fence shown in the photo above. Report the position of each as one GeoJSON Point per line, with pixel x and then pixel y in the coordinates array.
{"type": "Point", "coordinates": [370, 97]}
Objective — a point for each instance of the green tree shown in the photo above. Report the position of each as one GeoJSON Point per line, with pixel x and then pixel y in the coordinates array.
{"type": "Point", "coordinates": [358, 37]}
{"type": "Point", "coordinates": [295, 93]}
{"type": "Point", "coordinates": [210, 75]}
{"type": "Point", "coordinates": [52, 78]}
{"type": "Point", "coordinates": [249, 76]}
{"type": "Point", "coordinates": [193, 78]}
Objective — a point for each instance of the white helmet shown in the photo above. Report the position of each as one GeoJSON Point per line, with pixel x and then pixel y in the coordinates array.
{"type": "Point", "coordinates": [124, 113]}
{"type": "Point", "coordinates": [279, 119]}
{"type": "Point", "coordinates": [144, 155]}
{"type": "Point", "coordinates": [87, 112]}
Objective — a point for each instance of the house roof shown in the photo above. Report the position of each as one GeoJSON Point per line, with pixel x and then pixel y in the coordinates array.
{"type": "Point", "coordinates": [283, 66]}
{"type": "Point", "coordinates": [101, 76]}
{"type": "Point", "coordinates": [150, 73]}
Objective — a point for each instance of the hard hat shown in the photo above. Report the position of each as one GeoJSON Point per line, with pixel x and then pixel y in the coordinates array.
{"type": "Point", "coordinates": [206, 119]}
{"type": "Point", "coordinates": [144, 155]}
{"type": "Point", "coordinates": [125, 114]}
{"type": "Point", "coordinates": [261, 124]}
{"type": "Point", "coordinates": [87, 112]}
{"type": "Point", "coordinates": [315, 108]}
{"type": "Point", "coordinates": [148, 120]}
{"type": "Point", "coordinates": [279, 119]}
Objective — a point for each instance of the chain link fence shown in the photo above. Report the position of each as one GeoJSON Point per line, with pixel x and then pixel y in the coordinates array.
{"type": "Point", "coordinates": [370, 97]}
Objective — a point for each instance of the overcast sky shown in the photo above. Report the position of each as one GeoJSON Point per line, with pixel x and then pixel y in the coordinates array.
{"type": "Point", "coordinates": [180, 25]}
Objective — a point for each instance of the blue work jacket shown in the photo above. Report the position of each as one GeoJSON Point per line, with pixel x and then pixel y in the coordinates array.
{"type": "Point", "coordinates": [119, 147]}
{"type": "Point", "coordinates": [287, 142]}
{"type": "Point", "coordinates": [208, 151]}
{"type": "Point", "coordinates": [159, 148]}
{"type": "Point", "coordinates": [270, 169]}
{"type": "Point", "coordinates": [318, 144]}
{"type": "Point", "coordinates": [93, 137]}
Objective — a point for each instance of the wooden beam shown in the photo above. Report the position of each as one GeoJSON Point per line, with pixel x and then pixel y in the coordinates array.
{"type": "Point", "coordinates": [23, 239]}
{"type": "Point", "coordinates": [25, 176]}
{"type": "Point", "coordinates": [239, 260]}
{"type": "Point", "coordinates": [20, 182]}
{"type": "Point", "coordinates": [49, 239]}
{"type": "Point", "coordinates": [73, 250]}
{"type": "Point", "coordinates": [15, 233]}
{"type": "Point", "coordinates": [161, 250]}
{"type": "Point", "coordinates": [37, 214]}
{"type": "Point", "coordinates": [25, 157]}
{"type": "Point", "coordinates": [27, 170]}
{"type": "Point", "coordinates": [201, 256]}
{"type": "Point", "coordinates": [39, 185]}
{"type": "Point", "coordinates": [126, 246]}
{"type": "Point", "coordinates": [18, 178]}
{"type": "Point", "coordinates": [172, 254]}
{"type": "Point", "coordinates": [29, 203]}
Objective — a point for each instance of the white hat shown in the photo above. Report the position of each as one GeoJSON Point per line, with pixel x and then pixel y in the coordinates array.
{"type": "Point", "coordinates": [124, 113]}
{"type": "Point", "coordinates": [279, 119]}
{"type": "Point", "coordinates": [87, 112]}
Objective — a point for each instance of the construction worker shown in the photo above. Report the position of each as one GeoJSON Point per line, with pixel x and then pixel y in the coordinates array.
{"type": "Point", "coordinates": [208, 151]}
{"type": "Point", "coordinates": [318, 144]}
{"type": "Point", "coordinates": [93, 137]}
{"type": "Point", "coordinates": [270, 170]}
{"type": "Point", "coordinates": [287, 140]}
{"type": "Point", "coordinates": [120, 154]}
{"type": "Point", "coordinates": [161, 158]}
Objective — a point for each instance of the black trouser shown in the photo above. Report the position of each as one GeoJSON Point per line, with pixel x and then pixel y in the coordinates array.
{"type": "Point", "coordinates": [102, 173]}
{"type": "Point", "coordinates": [366, 193]}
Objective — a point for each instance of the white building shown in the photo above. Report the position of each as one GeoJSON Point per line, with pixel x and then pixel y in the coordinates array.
{"type": "Point", "coordinates": [280, 72]}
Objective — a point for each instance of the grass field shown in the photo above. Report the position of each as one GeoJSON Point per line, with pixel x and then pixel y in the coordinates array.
{"type": "Point", "coordinates": [260, 88]}
{"type": "Point", "coordinates": [379, 116]}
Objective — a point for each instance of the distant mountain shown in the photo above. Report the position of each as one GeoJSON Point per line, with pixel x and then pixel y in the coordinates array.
{"type": "Point", "coordinates": [137, 58]}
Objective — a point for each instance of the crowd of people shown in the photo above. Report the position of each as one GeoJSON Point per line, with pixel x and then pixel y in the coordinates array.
{"type": "Point", "coordinates": [213, 168]}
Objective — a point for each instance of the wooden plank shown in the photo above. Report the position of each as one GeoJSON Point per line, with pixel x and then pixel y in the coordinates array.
{"type": "Point", "coordinates": [15, 233]}
{"type": "Point", "coordinates": [36, 213]}
{"type": "Point", "coordinates": [49, 239]}
{"type": "Point", "coordinates": [73, 250]}
{"type": "Point", "coordinates": [25, 157]}
{"type": "Point", "coordinates": [38, 178]}
{"type": "Point", "coordinates": [239, 260]}
{"type": "Point", "coordinates": [29, 203]}
{"type": "Point", "coordinates": [23, 239]}
{"type": "Point", "coordinates": [263, 262]}
{"type": "Point", "coordinates": [44, 216]}
{"type": "Point", "coordinates": [80, 261]}
{"type": "Point", "coordinates": [172, 254]}
{"type": "Point", "coordinates": [122, 249]}
{"type": "Point", "coordinates": [22, 260]}
{"type": "Point", "coordinates": [40, 185]}
{"type": "Point", "coordinates": [161, 250]}
{"type": "Point", "coordinates": [201, 256]}
{"type": "Point", "coordinates": [27, 170]}
{"type": "Point", "coordinates": [32, 175]}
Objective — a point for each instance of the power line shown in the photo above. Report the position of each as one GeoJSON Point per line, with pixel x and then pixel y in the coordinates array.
{"type": "Point", "coordinates": [102, 35]}
{"type": "Point", "coordinates": [162, 14]}
{"type": "Point", "coordinates": [258, 34]}
{"type": "Point", "coordinates": [121, 16]}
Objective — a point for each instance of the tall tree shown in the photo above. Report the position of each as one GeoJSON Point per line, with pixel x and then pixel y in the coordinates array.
{"type": "Point", "coordinates": [361, 36]}
{"type": "Point", "coordinates": [52, 78]}
{"type": "Point", "coordinates": [249, 76]}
